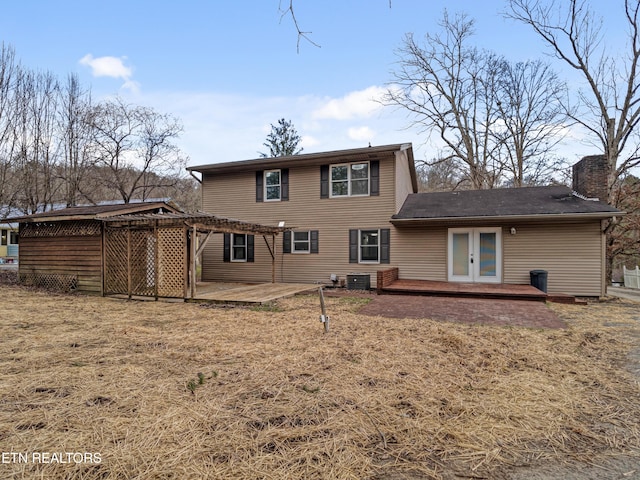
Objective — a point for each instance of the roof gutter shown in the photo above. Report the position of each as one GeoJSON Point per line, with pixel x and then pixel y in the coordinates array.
{"type": "Point", "coordinates": [505, 218]}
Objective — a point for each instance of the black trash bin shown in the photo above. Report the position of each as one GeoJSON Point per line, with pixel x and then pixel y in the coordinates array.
{"type": "Point", "coordinates": [539, 279]}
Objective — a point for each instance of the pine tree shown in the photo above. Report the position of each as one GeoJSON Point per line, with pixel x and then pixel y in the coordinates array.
{"type": "Point", "coordinates": [282, 141]}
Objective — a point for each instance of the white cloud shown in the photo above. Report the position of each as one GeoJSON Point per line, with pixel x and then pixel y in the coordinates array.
{"type": "Point", "coordinates": [361, 134]}
{"type": "Point", "coordinates": [225, 127]}
{"type": "Point", "coordinates": [309, 141]}
{"type": "Point", "coordinates": [358, 104]}
{"type": "Point", "coordinates": [113, 67]}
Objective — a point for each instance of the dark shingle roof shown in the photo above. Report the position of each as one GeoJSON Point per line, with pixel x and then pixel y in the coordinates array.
{"type": "Point", "coordinates": [93, 212]}
{"type": "Point", "coordinates": [504, 202]}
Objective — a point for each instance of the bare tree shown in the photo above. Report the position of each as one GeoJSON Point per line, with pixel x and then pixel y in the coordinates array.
{"type": "Point", "coordinates": [530, 106]}
{"type": "Point", "coordinates": [75, 143]}
{"type": "Point", "coordinates": [35, 155]}
{"type": "Point", "coordinates": [8, 71]}
{"type": "Point", "coordinates": [447, 86]}
{"type": "Point", "coordinates": [497, 121]}
{"type": "Point", "coordinates": [611, 98]}
{"type": "Point", "coordinates": [134, 145]}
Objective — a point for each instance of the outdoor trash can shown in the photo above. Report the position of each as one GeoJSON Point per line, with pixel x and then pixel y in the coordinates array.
{"type": "Point", "coordinates": [539, 279]}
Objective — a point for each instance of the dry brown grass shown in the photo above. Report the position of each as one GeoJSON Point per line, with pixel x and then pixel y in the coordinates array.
{"type": "Point", "coordinates": [172, 390]}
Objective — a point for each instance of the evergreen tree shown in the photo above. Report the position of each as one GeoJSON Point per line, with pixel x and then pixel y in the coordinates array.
{"type": "Point", "coordinates": [282, 141]}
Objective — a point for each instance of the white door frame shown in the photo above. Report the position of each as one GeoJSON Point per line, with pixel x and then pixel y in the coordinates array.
{"type": "Point", "coordinates": [473, 273]}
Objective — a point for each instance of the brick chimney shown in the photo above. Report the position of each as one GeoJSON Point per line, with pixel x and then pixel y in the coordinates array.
{"type": "Point", "coordinates": [590, 177]}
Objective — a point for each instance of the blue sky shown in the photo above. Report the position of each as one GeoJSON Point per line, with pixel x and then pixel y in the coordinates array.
{"type": "Point", "coordinates": [229, 69]}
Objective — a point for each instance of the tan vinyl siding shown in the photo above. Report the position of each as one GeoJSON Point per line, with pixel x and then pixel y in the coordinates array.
{"type": "Point", "coordinates": [572, 254]}
{"type": "Point", "coordinates": [234, 195]}
{"type": "Point", "coordinates": [403, 178]}
{"type": "Point", "coordinates": [421, 253]}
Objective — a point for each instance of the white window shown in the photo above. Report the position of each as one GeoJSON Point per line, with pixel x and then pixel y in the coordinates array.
{"type": "Point", "coordinates": [369, 246]}
{"type": "Point", "coordinates": [350, 180]}
{"type": "Point", "coordinates": [272, 185]}
{"type": "Point", "coordinates": [238, 248]}
{"type": "Point", "coordinates": [301, 242]}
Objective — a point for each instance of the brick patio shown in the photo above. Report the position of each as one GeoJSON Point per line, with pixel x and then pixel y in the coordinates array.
{"type": "Point", "coordinates": [517, 313]}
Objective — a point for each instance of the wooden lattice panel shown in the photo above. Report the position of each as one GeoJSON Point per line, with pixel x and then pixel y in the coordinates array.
{"type": "Point", "coordinates": [115, 256]}
{"type": "Point", "coordinates": [172, 262]}
{"type": "Point", "coordinates": [142, 262]}
{"type": "Point", "coordinates": [50, 281]}
{"type": "Point", "coordinates": [145, 262]}
{"type": "Point", "coordinates": [79, 228]}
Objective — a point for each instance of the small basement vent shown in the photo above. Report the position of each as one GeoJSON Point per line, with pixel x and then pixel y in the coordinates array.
{"type": "Point", "coordinates": [359, 281]}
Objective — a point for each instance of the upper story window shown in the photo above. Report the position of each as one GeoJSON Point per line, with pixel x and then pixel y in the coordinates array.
{"type": "Point", "coordinates": [350, 180]}
{"type": "Point", "coordinates": [272, 186]}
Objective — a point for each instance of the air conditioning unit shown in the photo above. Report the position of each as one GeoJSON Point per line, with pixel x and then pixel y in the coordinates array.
{"type": "Point", "coordinates": [359, 281]}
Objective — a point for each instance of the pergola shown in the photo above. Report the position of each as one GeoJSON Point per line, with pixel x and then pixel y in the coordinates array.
{"type": "Point", "coordinates": [161, 250]}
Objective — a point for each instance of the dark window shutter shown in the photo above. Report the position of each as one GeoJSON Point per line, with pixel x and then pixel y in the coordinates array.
{"type": "Point", "coordinates": [385, 240]}
{"type": "Point", "coordinates": [250, 243]}
{"type": "Point", "coordinates": [314, 241]}
{"type": "Point", "coordinates": [353, 246]}
{"type": "Point", "coordinates": [227, 248]}
{"type": "Point", "coordinates": [324, 181]}
{"type": "Point", "coordinates": [259, 186]}
{"type": "Point", "coordinates": [286, 242]}
{"type": "Point", "coordinates": [374, 173]}
{"type": "Point", "coordinates": [284, 184]}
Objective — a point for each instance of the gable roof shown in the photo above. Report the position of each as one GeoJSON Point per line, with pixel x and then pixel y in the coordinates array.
{"type": "Point", "coordinates": [306, 159]}
{"type": "Point", "coordinates": [526, 203]}
{"type": "Point", "coordinates": [95, 212]}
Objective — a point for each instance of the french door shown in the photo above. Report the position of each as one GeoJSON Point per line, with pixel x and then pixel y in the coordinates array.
{"type": "Point", "coordinates": [475, 255]}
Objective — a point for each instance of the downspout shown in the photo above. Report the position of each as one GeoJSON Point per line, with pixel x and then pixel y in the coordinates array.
{"type": "Point", "coordinates": [197, 179]}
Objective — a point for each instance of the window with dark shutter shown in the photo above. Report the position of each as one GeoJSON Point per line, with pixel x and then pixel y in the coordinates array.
{"type": "Point", "coordinates": [284, 180]}
{"type": "Point", "coordinates": [226, 251]}
{"type": "Point", "coordinates": [260, 186]}
{"type": "Point", "coordinates": [374, 167]}
{"type": "Point", "coordinates": [385, 240]}
{"type": "Point", "coordinates": [324, 181]}
{"type": "Point", "coordinates": [250, 248]}
{"type": "Point", "coordinates": [353, 246]}
{"type": "Point", "coordinates": [286, 242]}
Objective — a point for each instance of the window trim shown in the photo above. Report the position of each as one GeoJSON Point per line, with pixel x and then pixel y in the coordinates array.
{"type": "Point", "coordinates": [232, 257]}
{"type": "Point", "coordinates": [360, 246]}
{"type": "Point", "coordinates": [266, 186]}
{"type": "Point", "coordinates": [349, 180]}
{"type": "Point", "coordinates": [307, 241]}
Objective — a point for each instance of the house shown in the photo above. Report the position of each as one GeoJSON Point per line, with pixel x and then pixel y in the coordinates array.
{"type": "Point", "coordinates": [9, 248]}
{"type": "Point", "coordinates": [337, 205]}
{"type": "Point", "coordinates": [357, 212]}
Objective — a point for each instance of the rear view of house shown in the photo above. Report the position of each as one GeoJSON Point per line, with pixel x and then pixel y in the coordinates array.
{"type": "Point", "coordinates": [357, 212]}
{"type": "Point", "coordinates": [336, 204]}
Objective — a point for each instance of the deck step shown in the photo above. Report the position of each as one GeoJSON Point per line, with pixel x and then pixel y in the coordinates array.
{"type": "Point", "coordinates": [566, 299]}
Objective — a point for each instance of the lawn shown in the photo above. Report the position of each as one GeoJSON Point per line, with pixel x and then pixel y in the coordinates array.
{"type": "Point", "coordinates": [97, 388]}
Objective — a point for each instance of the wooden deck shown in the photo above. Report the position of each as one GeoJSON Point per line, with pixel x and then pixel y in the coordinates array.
{"type": "Point", "coordinates": [244, 294]}
{"type": "Point", "coordinates": [476, 290]}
